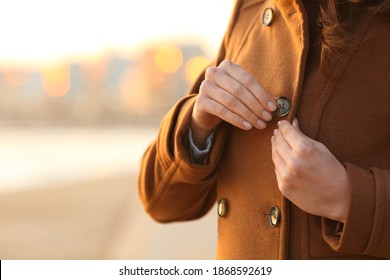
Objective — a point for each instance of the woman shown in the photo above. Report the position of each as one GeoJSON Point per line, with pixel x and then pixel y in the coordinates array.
{"type": "Point", "coordinates": [313, 189]}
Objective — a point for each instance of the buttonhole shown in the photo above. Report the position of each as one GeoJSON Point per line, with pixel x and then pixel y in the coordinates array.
{"type": "Point", "coordinates": [291, 13]}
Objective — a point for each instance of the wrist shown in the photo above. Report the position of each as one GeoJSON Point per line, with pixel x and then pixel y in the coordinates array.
{"type": "Point", "coordinates": [199, 134]}
{"type": "Point", "coordinates": [343, 206]}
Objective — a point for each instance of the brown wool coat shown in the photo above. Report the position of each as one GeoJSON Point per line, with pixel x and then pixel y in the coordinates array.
{"type": "Point", "coordinates": [348, 110]}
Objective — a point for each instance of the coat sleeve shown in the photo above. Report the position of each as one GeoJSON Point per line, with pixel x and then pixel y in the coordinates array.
{"type": "Point", "coordinates": [171, 186]}
{"type": "Point", "coordinates": [367, 229]}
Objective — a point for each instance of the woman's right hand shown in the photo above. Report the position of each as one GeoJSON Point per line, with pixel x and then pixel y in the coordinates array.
{"type": "Point", "coordinates": [229, 93]}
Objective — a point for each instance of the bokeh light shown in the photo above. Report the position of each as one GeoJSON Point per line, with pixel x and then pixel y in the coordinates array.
{"type": "Point", "coordinates": [169, 58]}
{"type": "Point", "coordinates": [56, 81]}
{"type": "Point", "coordinates": [195, 66]}
{"type": "Point", "coordinates": [17, 78]}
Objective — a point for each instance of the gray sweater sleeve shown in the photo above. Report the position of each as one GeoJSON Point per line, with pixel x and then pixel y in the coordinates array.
{"type": "Point", "coordinates": [199, 156]}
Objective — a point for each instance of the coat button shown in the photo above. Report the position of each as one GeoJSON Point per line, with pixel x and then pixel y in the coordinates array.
{"type": "Point", "coordinates": [268, 16]}
{"type": "Point", "coordinates": [283, 107]}
{"type": "Point", "coordinates": [222, 207]}
{"type": "Point", "coordinates": [274, 217]}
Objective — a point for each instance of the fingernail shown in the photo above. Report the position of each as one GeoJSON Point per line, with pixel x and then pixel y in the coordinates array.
{"type": "Point", "coordinates": [271, 106]}
{"type": "Point", "coordinates": [276, 131]}
{"type": "Point", "coordinates": [267, 115]}
{"type": "Point", "coordinates": [261, 124]}
{"type": "Point", "coordinates": [279, 122]}
{"type": "Point", "coordinates": [247, 125]}
{"type": "Point", "coordinates": [272, 139]}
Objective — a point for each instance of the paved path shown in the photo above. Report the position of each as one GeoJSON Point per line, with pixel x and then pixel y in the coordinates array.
{"type": "Point", "coordinates": [97, 220]}
{"type": "Point", "coordinates": [71, 193]}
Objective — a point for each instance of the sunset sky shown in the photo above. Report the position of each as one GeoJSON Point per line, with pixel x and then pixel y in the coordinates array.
{"type": "Point", "coordinates": [48, 31]}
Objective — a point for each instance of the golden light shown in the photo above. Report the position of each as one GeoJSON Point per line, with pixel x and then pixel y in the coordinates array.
{"type": "Point", "coordinates": [195, 66]}
{"type": "Point", "coordinates": [168, 58]}
{"type": "Point", "coordinates": [94, 69]}
{"type": "Point", "coordinates": [56, 81]}
{"type": "Point", "coordinates": [133, 89]}
{"type": "Point", "coordinates": [17, 78]}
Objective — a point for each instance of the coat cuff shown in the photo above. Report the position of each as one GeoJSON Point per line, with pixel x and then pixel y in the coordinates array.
{"type": "Point", "coordinates": [354, 235]}
{"type": "Point", "coordinates": [174, 145]}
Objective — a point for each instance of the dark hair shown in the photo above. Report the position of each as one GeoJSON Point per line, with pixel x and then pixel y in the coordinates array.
{"type": "Point", "coordinates": [334, 18]}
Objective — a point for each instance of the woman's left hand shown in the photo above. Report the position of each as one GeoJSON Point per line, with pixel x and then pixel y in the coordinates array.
{"type": "Point", "coordinates": [308, 174]}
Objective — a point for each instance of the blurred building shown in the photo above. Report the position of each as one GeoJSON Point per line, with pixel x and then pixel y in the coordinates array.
{"type": "Point", "coordinates": [113, 89]}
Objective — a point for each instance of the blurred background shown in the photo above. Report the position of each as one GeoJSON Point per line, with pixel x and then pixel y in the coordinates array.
{"type": "Point", "coordinates": [83, 87]}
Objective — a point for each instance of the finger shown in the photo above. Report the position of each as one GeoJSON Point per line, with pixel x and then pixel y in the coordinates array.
{"type": "Point", "coordinates": [282, 147]}
{"type": "Point", "coordinates": [223, 80]}
{"type": "Point", "coordinates": [215, 108]}
{"type": "Point", "coordinates": [233, 104]}
{"type": "Point", "coordinates": [246, 79]}
{"type": "Point", "coordinates": [293, 136]}
{"type": "Point", "coordinates": [276, 158]}
{"type": "Point", "coordinates": [296, 124]}
{"type": "Point", "coordinates": [275, 152]}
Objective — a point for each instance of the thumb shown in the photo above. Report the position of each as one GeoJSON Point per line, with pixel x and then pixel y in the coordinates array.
{"type": "Point", "coordinates": [296, 124]}
{"type": "Point", "coordinates": [319, 145]}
